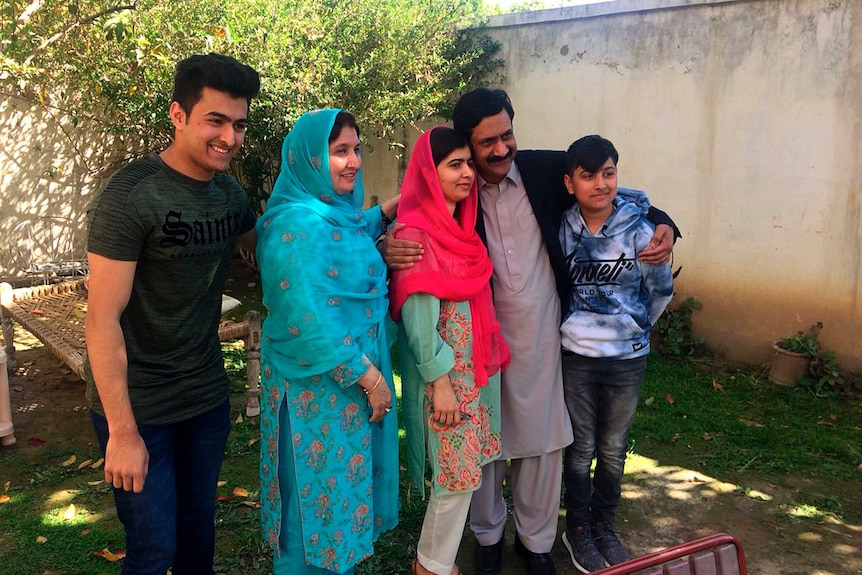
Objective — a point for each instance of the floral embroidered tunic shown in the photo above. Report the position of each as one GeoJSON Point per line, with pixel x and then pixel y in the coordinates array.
{"type": "Point", "coordinates": [329, 477]}
{"type": "Point", "coordinates": [346, 469]}
{"type": "Point", "coordinates": [436, 337]}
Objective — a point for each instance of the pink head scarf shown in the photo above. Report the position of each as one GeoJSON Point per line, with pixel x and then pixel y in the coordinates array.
{"type": "Point", "coordinates": [455, 265]}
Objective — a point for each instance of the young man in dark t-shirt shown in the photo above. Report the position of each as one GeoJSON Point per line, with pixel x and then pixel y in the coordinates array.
{"type": "Point", "coordinates": [160, 238]}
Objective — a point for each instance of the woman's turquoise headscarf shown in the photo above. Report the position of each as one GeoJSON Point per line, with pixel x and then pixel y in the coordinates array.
{"type": "Point", "coordinates": [305, 176]}
{"type": "Point", "coordinates": [324, 281]}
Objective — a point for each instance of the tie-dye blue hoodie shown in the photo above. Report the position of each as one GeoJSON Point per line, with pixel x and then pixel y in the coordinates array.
{"type": "Point", "coordinates": [614, 298]}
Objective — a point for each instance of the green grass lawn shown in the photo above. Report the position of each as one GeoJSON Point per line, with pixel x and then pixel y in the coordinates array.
{"type": "Point", "coordinates": [724, 421]}
{"type": "Point", "coordinates": [729, 419]}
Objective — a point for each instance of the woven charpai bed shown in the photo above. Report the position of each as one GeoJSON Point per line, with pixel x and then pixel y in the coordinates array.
{"type": "Point", "coordinates": [55, 315]}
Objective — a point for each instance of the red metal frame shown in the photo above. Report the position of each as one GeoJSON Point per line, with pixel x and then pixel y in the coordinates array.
{"type": "Point", "coordinates": [682, 550]}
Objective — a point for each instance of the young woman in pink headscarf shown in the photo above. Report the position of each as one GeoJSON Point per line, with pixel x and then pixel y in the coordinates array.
{"type": "Point", "coordinates": [450, 344]}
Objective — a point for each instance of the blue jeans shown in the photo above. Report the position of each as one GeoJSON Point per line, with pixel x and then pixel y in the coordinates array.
{"type": "Point", "coordinates": [601, 396]}
{"type": "Point", "coordinates": [171, 523]}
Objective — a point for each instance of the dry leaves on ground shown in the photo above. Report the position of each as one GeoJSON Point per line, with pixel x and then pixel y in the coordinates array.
{"type": "Point", "coordinates": [108, 555]}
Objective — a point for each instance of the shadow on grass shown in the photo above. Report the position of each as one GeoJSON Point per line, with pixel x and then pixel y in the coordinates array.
{"type": "Point", "coordinates": [714, 448]}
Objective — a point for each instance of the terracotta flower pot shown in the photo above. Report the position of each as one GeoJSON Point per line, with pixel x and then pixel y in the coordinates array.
{"type": "Point", "coordinates": [787, 367]}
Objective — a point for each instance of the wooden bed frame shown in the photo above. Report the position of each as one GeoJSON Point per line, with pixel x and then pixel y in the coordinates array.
{"type": "Point", "coordinates": [55, 315]}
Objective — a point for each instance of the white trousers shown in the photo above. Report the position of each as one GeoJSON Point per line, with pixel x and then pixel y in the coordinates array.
{"type": "Point", "coordinates": [536, 484]}
{"type": "Point", "coordinates": [442, 530]}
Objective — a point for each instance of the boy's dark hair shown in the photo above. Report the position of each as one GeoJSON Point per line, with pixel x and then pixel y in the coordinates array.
{"type": "Point", "coordinates": [343, 119]}
{"type": "Point", "coordinates": [444, 141]}
{"type": "Point", "coordinates": [215, 71]}
{"type": "Point", "coordinates": [590, 153]}
{"type": "Point", "coordinates": [478, 104]}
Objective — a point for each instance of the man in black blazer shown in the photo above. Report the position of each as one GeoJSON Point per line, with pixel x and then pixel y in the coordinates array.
{"type": "Point", "coordinates": [522, 198]}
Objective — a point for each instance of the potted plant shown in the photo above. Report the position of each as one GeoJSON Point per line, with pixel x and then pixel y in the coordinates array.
{"type": "Point", "coordinates": [793, 356]}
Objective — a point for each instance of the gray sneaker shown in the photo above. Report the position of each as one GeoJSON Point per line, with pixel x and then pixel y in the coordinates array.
{"type": "Point", "coordinates": [583, 551]}
{"type": "Point", "coordinates": [609, 544]}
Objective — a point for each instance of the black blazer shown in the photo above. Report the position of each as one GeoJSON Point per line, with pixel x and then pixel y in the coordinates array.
{"type": "Point", "coordinates": [542, 172]}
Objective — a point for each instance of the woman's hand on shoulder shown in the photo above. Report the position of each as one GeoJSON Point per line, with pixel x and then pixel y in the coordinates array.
{"type": "Point", "coordinates": [445, 404]}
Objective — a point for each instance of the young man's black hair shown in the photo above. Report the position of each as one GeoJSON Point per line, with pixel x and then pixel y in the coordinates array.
{"type": "Point", "coordinates": [215, 71]}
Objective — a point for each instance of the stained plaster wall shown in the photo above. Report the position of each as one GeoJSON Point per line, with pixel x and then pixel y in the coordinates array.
{"type": "Point", "coordinates": [743, 120]}
{"type": "Point", "coordinates": [49, 170]}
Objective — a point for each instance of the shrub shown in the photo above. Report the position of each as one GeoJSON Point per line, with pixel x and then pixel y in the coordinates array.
{"type": "Point", "coordinates": [675, 329]}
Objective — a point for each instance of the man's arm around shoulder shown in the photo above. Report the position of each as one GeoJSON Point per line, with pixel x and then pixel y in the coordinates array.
{"type": "Point", "coordinates": [110, 287]}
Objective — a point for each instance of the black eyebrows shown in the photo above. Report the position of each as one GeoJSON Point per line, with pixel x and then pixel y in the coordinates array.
{"type": "Point", "coordinates": [226, 118]}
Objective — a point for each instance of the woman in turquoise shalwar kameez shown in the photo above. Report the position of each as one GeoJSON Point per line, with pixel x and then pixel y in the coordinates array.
{"type": "Point", "coordinates": [329, 455]}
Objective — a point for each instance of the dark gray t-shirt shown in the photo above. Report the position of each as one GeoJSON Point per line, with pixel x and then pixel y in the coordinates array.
{"type": "Point", "coordinates": [182, 233]}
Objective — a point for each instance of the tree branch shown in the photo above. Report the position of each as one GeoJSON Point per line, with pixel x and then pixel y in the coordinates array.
{"type": "Point", "coordinates": [20, 22]}
{"type": "Point", "coordinates": [28, 12]}
{"type": "Point", "coordinates": [88, 20]}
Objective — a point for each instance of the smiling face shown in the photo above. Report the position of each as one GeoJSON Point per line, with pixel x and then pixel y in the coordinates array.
{"type": "Point", "coordinates": [595, 191]}
{"type": "Point", "coordinates": [456, 176]}
{"type": "Point", "coordinates": [344, 160]}
{"type": "Point", "coordinates": [494, 147]}
{"type": "Point", "coordinates": [207, 138]}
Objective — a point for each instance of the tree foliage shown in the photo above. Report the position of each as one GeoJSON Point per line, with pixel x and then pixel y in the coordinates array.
{"type": "Point", "coordinates": [390, 62]}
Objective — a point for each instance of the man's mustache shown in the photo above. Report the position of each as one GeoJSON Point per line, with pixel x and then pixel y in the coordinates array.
{"type": "Point", "coordinates": [492, 159]}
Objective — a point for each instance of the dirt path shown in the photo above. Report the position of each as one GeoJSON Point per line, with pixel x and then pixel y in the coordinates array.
{"type": "Point", "coordinates": [662, 505]}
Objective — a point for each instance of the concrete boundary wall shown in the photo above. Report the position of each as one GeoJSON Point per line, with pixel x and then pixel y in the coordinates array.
{"type": "Point", "coordinates": [743, 120]}
{"type": "Point", "coordinates": [49, 171]}
{"type": "Point", "coordinates": [550, 15]}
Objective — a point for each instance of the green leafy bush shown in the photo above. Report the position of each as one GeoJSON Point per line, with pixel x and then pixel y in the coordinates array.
{"type": "Point", "coordinates": [109, 63]}
{"type": "Point", "coordinates": [674, 329]}
{"type": "Point", "coordinates": [825, 375]}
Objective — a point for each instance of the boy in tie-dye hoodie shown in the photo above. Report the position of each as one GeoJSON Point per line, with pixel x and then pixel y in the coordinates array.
{"type": "Point", "coordinates": [614, 300]}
